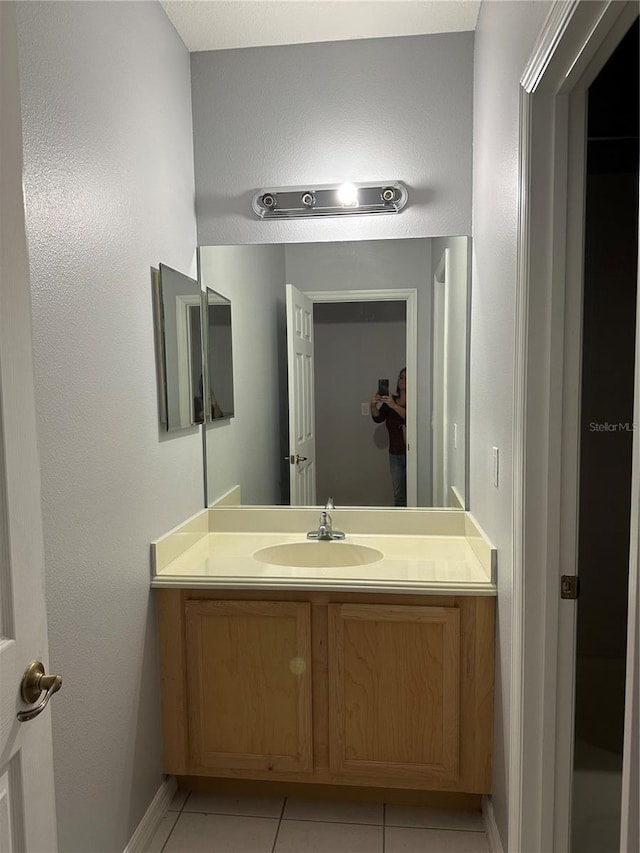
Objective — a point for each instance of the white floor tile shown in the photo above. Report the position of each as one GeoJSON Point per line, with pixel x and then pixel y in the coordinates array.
{"type": "Point", "coordinates": [401, 839]}
{"type": "Point", "coordinates": [433, 818]}
{"type": "Point", "coordinates": [162, 833]}
{"type": "Point", "coordinates": [333, 811]}
{"type": "Point", "coordinates": [320, 837]}
{"type": "Point", "coordinates": [178, 801]}
{"type": "Point", "coordinates": [214, 833]}
{"type": "Point", "coordinates": [224, 804]}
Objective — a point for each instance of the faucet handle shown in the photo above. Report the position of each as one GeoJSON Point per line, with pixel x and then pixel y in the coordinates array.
{"type": "Point", "coordinates": [330, 504]}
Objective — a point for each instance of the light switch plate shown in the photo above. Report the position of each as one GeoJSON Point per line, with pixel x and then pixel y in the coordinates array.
{"type": "Point", "coordinates": [496, 466]}
{"type": "Point", "coordinates": [364, 408]}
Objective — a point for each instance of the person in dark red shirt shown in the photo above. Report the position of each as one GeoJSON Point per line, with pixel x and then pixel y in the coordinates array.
{"type": "Point", "coordinates": [392, 409]}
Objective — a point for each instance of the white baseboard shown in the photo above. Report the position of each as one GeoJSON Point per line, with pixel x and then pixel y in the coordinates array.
{"type": "Point", "coordinates": [491, 827]}
{"type": "Point", "coordinates": [152, 818]}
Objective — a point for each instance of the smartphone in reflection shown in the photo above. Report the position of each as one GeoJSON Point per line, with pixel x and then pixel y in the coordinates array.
{"type": "Point", "coordinates": [383, 387]}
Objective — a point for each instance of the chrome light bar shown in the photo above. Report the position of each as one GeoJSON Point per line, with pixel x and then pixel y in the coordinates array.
{"type": "Point", "coordinates": [330, 200]}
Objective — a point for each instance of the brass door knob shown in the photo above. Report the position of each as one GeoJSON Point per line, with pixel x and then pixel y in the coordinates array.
{"type": "Point", "coordinates": [34, 682]}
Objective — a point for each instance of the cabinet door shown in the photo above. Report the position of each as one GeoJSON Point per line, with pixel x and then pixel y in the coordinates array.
{"type": "Point", "coordinates": [394, 676]}
{"type": "Point", "coordinates": [249, 685]}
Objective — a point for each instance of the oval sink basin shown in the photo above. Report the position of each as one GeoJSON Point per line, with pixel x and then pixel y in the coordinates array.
{"type": "Point", "coordinates": [318, 555]}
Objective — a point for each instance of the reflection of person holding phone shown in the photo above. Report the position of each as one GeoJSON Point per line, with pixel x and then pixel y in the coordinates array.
{"type": "Point", "coordinates": [392, 410]}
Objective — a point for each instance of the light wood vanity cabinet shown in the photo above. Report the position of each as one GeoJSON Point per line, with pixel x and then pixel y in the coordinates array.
{"type": "Point", "coordinates": [375, 690]}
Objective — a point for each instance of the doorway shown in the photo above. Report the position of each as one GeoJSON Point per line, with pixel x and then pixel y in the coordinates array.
{"type": "Point", "coordinates": [576, 42]}
{"type": "Point", "coordinates": [606, 448]}
{"type": "Point", "coordinates": [356, 345]}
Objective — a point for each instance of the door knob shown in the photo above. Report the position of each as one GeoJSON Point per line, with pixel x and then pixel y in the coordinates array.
{"type": "Point", "coordinates": [34, 682]}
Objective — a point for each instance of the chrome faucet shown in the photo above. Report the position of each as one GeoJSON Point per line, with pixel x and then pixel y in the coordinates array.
{"type": "Point", "coordinates": [325, 531]}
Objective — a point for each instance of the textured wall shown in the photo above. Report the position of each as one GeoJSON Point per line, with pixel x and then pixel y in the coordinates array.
{"type": "Point", "coordinates": [505, 37]}
{"type": "Point", "coordinates": [109, 191]}
{"type": "Point", "coordinates": [362, 110]}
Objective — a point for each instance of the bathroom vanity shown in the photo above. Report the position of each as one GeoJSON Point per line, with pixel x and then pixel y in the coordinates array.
{"type": "Point", "coordinates": [377, 674]}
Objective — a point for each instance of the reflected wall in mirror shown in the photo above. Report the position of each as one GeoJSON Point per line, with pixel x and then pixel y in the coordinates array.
{"type": "Point", "coordinates": [177, 320]}
{"type": "Point", "coordinates": [316, 327]}
{"type": "Point", "coordinates": [219, 349]}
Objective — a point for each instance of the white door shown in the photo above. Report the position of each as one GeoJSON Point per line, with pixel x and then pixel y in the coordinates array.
{"type": "Point", "coordinates": [302, 440]}
{"type": "Point", "coordinates": [27, 806]}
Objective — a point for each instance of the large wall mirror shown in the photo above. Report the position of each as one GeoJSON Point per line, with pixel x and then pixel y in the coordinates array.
{"type": "Point", "coordinates": [318, 329]}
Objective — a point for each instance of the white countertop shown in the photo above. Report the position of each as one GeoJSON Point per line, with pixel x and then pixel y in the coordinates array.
{"type": "Point", "coordinates": [444, 565]}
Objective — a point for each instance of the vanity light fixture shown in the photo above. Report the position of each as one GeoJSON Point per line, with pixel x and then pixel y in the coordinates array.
{"type": "Point", "coordinates": [330, 200]}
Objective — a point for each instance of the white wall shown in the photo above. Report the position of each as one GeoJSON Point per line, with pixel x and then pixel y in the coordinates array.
{"type": "Point", "coordinates": [246, 450]}
{"type": "Point", "coordinates": [360, 110]}
{"type": "Point", "coordinates": [109, 191]}
{"type": "Point", "coordinates": [504, 39]}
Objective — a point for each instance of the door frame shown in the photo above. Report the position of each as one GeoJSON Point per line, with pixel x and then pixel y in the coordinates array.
{"type": "Point", "coordinates": [410, 297]}
{"type": "Point", "coordinates": [577, 38]}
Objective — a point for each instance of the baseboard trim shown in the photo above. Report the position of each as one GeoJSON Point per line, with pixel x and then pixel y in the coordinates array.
{"type": "Point", "coordinates": [491, 827]}
{"type": "Point", "coordinates": [152, 818]}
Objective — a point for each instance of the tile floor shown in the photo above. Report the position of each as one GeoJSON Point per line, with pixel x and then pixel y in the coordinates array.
{"type": "Point", "coordinates": [205, 823]}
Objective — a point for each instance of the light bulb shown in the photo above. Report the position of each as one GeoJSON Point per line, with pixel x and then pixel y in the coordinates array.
{"type": "Point", "coordinates": [348, 195]}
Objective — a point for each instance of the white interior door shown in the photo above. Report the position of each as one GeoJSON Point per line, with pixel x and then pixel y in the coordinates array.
{"type": "Point", "coordinates": [27, 806]}
{"type": "Point", "coordinates": [302, 442]}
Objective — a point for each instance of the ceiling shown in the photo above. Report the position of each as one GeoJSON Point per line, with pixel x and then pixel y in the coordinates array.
{"type": "Point", "coordinates": [225, 24]}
